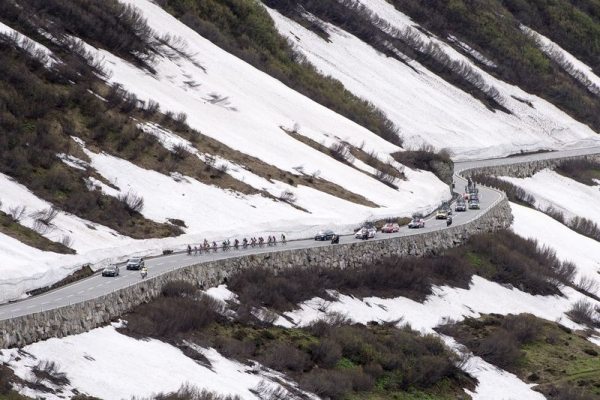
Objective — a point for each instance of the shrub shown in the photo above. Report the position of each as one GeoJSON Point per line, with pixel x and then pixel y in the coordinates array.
{"type": "Point", "coordinates": [288, 196]}
{"type": "Point", "coordinates": [178, 289]}
{"type": "Point", "coordinates": [132, 202]}
{"type": "Point", "coordinates": [188, 392]}
{"type": "Point", "coordinates": [426, 159]}
{"type": "Point", "coordinates": [326, 353]}
{"type": "Point", "coordinates": [16, 213]}
{"type": "Point", "coordinates": [48, 370]}
{"type": "Point", "coordinates": [583, 312]}
{"type": "Point", "coordinates": [327, 383]}
{"type": "Point", "coordinates": [581, 170]}
{"type": "Point", "coordinates": [514, 193]}
{"type": "Point", "coordinates": [171, 316]}
{"type": "Point", "coordinates": [340, 152]}
{"type": "Point", "coordinates": [284, 357]}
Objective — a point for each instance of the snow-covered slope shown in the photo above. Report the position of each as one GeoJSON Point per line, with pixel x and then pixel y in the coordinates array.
{"type": "Point", "coordinates": [567, 195]}
{"type": "Point", "coordinates": [253, 109]}
{"type": "Point", "coordinates": [427, 108]}
{"type": "Point", "coordinates": [111, 366]}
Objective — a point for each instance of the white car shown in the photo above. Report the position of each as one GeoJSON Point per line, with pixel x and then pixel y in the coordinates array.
{"type": "Point", "coordinates": [370, 232]}
{"type": "Point", "coordinates": [416, 223]}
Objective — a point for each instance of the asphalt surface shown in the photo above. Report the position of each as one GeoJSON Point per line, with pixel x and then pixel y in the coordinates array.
{"type": "Point", "coordinates": [96, 285]}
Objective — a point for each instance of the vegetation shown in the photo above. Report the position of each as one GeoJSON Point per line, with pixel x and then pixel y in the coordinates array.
{"type": "Point", "coordinates": [513, 192]}
{"type": "Point", "coordinates": [574, 25]}
{"type": "Point", "coordinates": [359, 20]}
{"type": "Point", "coordinates": [244, 28]}
{"type": "Point", "coordinates": [330, 358]}
{"type": "Point", "coordinates": [40, 109]}
{"type": "Point", "coordinates": [12, 228]}
{"type": "Point", "coordinates": [563, 364]}
{"type": "Point", "coordinates": [426, 159]}
{"type": "Point", "coordinates": [586, 171]}
{"type": "Point", "coordinates": [501, 257]}
{"type": "Point", "coordinates": [81, 273]}
{"type": "Point", "coordinates": [493, 30]}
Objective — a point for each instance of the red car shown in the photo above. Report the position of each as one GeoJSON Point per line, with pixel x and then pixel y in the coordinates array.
{"type": "Point", "coordinates": [390, 228]}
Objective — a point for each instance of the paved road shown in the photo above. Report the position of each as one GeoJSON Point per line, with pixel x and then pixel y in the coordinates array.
{"type": "Point", "coordinates": [97, 285]}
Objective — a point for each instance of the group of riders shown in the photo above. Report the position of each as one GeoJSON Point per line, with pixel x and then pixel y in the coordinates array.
{"type": "Point", "coordinates": [225, 245]}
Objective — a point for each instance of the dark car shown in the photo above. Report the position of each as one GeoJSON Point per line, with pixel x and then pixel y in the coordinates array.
{"type": "Point", "coordinates": [324, 235]}
{"type": "Point", "coordinates": [111, 270]}
{"type": "Point", "coordinates": [135, 263]}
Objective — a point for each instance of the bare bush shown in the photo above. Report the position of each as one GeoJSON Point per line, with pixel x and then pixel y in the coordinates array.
{"type": "Point", "coordinates": [151, 108]}
{"type": "Point", "coordinates": [132, 202]}
{"type": "Point", "coordinates": [340, 152]}
{"type": "Point", "coordinates": [285, 357]}
{"type": "Point", "coordinates": [48, 371]}
{"type": "Point", "coordinates": [179, 151]}
{"type": "Point", "coordinates": [325, 353]}
{"type": "Point", "coordinates": [178, 289]}
{"type": "Point", "coordinates": [45, 217]}
{"type": "Point", "coordinates": [587, 285]}
{"type": "Point", "coordinates": [288, 196]}
{"type": "Point", "coordinates": [188, 392]}
{"type": "Point", "coordinates": [66, 241]}
{"type": "Point", "coordinates": [513, 192]}
{"type": "Point", "coordinates": [327, 383]}
{"type": "Point", "coordinates": [386, 179]}
{"type": "Point", "coordinates": [16, 213]}
{"type": "Point", "coordinates": [583, 312]}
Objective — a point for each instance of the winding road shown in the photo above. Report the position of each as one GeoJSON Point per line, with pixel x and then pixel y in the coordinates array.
{"type": "Point", "coordinates": [96, 285]}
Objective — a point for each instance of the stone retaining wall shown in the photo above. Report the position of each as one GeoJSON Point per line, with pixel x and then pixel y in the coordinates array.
{"type": "Point", "coordinates": [527, 168]}
{"type": "Point", "coordinates": [82, 317]}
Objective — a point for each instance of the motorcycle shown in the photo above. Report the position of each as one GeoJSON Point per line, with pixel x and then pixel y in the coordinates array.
{"type": "Point", "coordinates": [144, 274]}
{"type": "Point", "coordinates": [335, 239]}
{"type": "Point", "coordinates": [449, 221]}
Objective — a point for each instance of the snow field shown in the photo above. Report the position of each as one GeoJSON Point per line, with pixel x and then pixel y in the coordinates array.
{"type": "Point", "coordinates": [425, 107]}
{"type": "Point", "coordinates": [133, 367]}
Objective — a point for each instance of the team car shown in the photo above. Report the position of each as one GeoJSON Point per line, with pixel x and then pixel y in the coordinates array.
{"type": "Point", "coordinates": [416, 222]}
{"type": "Point", "coordinates": [366, 232]}
{"type": "Point", "coordinates": [135, 263]}
{"type": "Point", "coordinates": [111, 270]}
{"type": "Point", "coordinates": [324, 235]}
{"type": "Point", "coordinates": [474, 204]}
{"type": "Point", "coordinates": [461, 205]}
{"type": "Point", "coordinates": [390, 227]}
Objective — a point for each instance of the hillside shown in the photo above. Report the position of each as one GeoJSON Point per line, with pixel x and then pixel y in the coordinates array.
{"type": "Point", "coordinates": [201, 120]}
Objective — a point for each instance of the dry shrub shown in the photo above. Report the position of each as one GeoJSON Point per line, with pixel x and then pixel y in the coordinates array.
{"type": "Point", "coordinates": [171, 316]}
{"type": "Point", "coordinates": [283, 356]}
{"type": "Point", "coordinates": [178, 289]}
{"type": "Point", "coordinates": [326, 353]}
{"type": "Point", "coordinates": [331, 384]}
{"type": "Point", "coordinates": [48, 371]}
{"type": "Point", "coordinates": [188, 392]}
{"type": "Point", "coordinates": [514, 193]}
{"type": "Point", "coordinates": [583, 312]}
{"type": "Point", "coordinates": [132, 202]}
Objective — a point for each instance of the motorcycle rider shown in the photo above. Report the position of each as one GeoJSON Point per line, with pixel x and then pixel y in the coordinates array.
{"type": "Point", "coordinates": [144, 272]}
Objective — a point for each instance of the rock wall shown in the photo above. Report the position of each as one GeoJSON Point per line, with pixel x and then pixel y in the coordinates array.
{"type": "Point", "coordinates": [81, 317]}
{"type": "Point", "coordinates": [527, 168]}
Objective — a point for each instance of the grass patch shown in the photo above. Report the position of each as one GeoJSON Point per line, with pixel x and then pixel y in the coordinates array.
{"type": "Point", "coordinates": [540, 352]}
{"type": "Point", "coordinates": [30, 237]}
